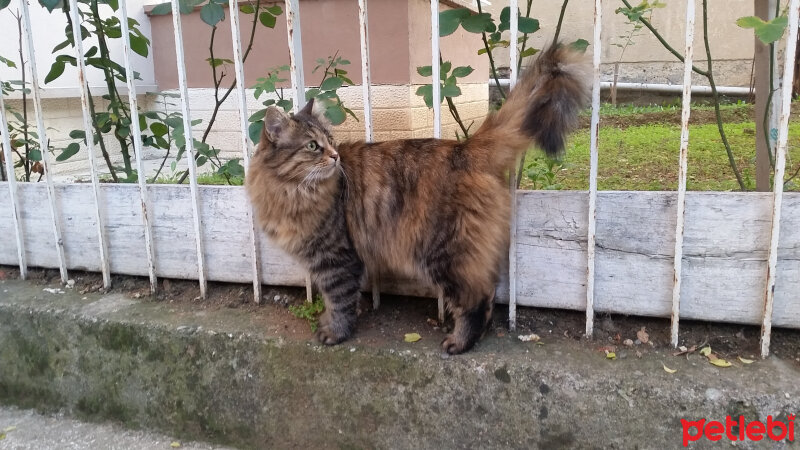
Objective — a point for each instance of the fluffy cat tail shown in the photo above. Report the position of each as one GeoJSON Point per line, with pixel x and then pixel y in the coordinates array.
{"type": "Point", "coordinates": [543, 107]}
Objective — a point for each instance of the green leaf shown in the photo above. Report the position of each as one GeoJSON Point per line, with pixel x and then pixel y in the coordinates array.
{"type": "Point", "coordinates": [311, 93]}
{"type": "Point", "coordinates": [449, 90]}
{"type": "Point", "coordinates": [233, 168]}
{"type": "Point", "coordinates": [444, 69]}
{"type": "Point", "coordinates": [185, 6]}
{"type": "Point", "coordinates": [254, 130]}
{"type": "Point", "coordinates": [139, 44]}
{"type": "Point", "coordinates": [450, 19]}
{"type": "Point", "coordinates": [505, 14]}
{"type": "Point", "coordinates": [158, 129]}
{"type": "Point", "coordinates": [750, 22]}
{"type": "Point", "coordinates": [463, 71]}
{"type": "Point", "coordinates": [201, 160]}
{"type": "Point", "coordinates": [161, 9]}
{"type": "Point", "coordinates": [91, 52]}
{"type": "Point", "coordinates": [4, 4]}
{"type": "Point", "coordinates": [6, 61]}
{"type": "Point", "coordinates": [77, 134]}
{"type": "Point", "coordinates": [285, 104]}
{"type": "Point", "coordinates": [528, 25]}
{"type": "Point", "coordinates": [335, 114]}
{"type": "Point", "coordinates": [425, 71]}
{"type": "Point", "coordinates": [35, 154]}
{"type": "Point", "coordinates": [247, 9]}
{"type": "Point", "coordinates": [426, 91]}
{"type": "Point", "coordinates": [212, 13]}
{"type": "Point", "coordinates": [60, 46]}
{"type": "Point", "coordinates": [580, 45]}
{"type": "Point", "coordinates": [478, 23]}
{"type": "Point", "coordinates": [50, 4]}
{"type": "Point", "coordinates": [530, 51]}
{"type": "Point", "coordinates": [55, 71]}
{"type": "Point", "coordinates": [258, 115]}
{"type": "Point", "coordinates": [331, 84]}
{"type": "Point", "coordinates": [275, 10]}
{"type": "Point", "coordinates": [267, 19]}
{"type": "Point", "coordinates": [69, 152]}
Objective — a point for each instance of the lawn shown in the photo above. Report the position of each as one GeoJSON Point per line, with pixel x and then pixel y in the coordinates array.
{"type": "Point", "coordinates": [644, 156]}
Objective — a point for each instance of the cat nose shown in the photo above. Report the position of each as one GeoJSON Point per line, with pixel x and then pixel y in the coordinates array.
{"type": "Point", "coordinates": [335, 156]}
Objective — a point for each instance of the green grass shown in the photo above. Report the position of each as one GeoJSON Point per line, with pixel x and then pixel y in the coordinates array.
{"type": "Point", "coordinates": [609, 110]}
{"type": "Point", "coordinates": [203, 178]}
{"type": "Point", "coordinates": [645, 157]}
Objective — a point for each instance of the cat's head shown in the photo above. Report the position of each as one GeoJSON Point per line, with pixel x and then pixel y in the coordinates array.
{"type": "Point", "coordinates": [298, 148]}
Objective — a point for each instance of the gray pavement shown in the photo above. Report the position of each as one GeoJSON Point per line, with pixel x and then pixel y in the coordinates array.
{"type": "Point", "coordinates": [26, 430]}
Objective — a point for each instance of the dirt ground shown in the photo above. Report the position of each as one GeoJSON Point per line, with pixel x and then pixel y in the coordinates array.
{"type": "Point", "coordinates": [625, 336]}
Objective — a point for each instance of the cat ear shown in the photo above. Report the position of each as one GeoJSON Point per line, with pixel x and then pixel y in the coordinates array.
{"type": "Point", "coordinates": [275, 121]}
{"type": "Point", "coordinates": [316, 109]}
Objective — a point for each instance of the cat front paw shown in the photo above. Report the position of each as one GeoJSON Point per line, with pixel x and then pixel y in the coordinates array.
{"type": "Point", "coordinates": [331, 331]}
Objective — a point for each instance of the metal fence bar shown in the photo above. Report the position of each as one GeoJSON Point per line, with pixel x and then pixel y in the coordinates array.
{"type": "Point", "coordinates": [295, 52]}
{"type": "Point", "coordinates": [12, 191]}
{"type": "Point", "coordinates": [43, 141]}
{"type": "Point", "coordinates": [595, 136]}
{"type": "Point", "coordinates": [512, 178]}
{"type": "Point", "coordinates": [190, 151]}
{"type": "Point", "coordinates": [684, 155]}
{"type": "Point", "coordinates": [89, 139]}
{"type": "Point", "coordinates": [366, 88]}
{"type": "Point", "coordinates": [780, 167]}
{"type": "Point", "coordinates": [247, 145]}
{"type": "Point", "coordinates": [297, 78]}
{"type": "Point", "coordinates": [137, 147]}
{"type": "Point", "coordinates": [436, 100]}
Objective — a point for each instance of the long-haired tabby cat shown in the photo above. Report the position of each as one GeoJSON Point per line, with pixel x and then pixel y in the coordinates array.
{"type": "Point", "coordinates": [434, 209]}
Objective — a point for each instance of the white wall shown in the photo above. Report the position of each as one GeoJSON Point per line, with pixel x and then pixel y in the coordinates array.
{"type": "Point", "coordinates": [48, 31]}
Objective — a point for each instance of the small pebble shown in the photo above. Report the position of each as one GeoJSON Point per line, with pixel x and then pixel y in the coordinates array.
{"type": "Point", "coordinates": [628, 342]}
{"type": "Point", "coordinates": [277, 298]}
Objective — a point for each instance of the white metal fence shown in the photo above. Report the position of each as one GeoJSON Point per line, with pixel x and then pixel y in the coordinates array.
{"type": "Point", "coordinates": [219, 259]}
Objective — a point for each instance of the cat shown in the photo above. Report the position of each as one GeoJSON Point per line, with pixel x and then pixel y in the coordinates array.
{"type": "Point", "coordinates": [434, 209]}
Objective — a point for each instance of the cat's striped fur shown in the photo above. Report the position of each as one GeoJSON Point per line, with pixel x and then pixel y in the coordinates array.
{"type": "Point", "coordinates": [433, 209]}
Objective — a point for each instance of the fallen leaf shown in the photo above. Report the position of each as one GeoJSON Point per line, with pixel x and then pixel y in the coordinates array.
{"type": "Point", "coordinates": [668, 370]}
{"type": "Point", "coordinates": [540, 343]}
{"type": "Point", "coordinates": [611, 355]}
{"type": "Point", "coordinates": [683, 348]}
{"type": "Point", "coordinates": [643, 336]}
{"type": "Point", "coordinates": [412, 337]}
{"type": "Point", "coordinates": [705, 351]}
{"type": "Point", "coordinates": [529, 337]}
{"type": "Point", "coordinates": [2, 436]}
{"type": "Point", "coordinates": [720, 362]}
{"type": "Point", "coordinates": [745, 360]}
{"type": "Point", "coordinates": [175, 444]}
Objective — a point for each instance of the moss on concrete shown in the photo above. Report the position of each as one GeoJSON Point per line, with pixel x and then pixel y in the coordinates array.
{"type": "Point", "coordinates": [141, 364]}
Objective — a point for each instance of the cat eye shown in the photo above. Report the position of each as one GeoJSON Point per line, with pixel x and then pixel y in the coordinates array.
{"type": "Point", "coordinates": [312, 146]}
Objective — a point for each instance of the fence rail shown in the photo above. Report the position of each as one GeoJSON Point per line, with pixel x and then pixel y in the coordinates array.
{"type": "Point", "coordinates": [645, 253]}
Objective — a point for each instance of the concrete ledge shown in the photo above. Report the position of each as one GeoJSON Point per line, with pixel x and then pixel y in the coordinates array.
{"type": "Point", "coordinates": [222, 375]}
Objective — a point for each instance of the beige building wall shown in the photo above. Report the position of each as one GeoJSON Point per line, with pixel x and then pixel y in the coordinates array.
{"type": "Point", "coordinates": [647, 60]}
